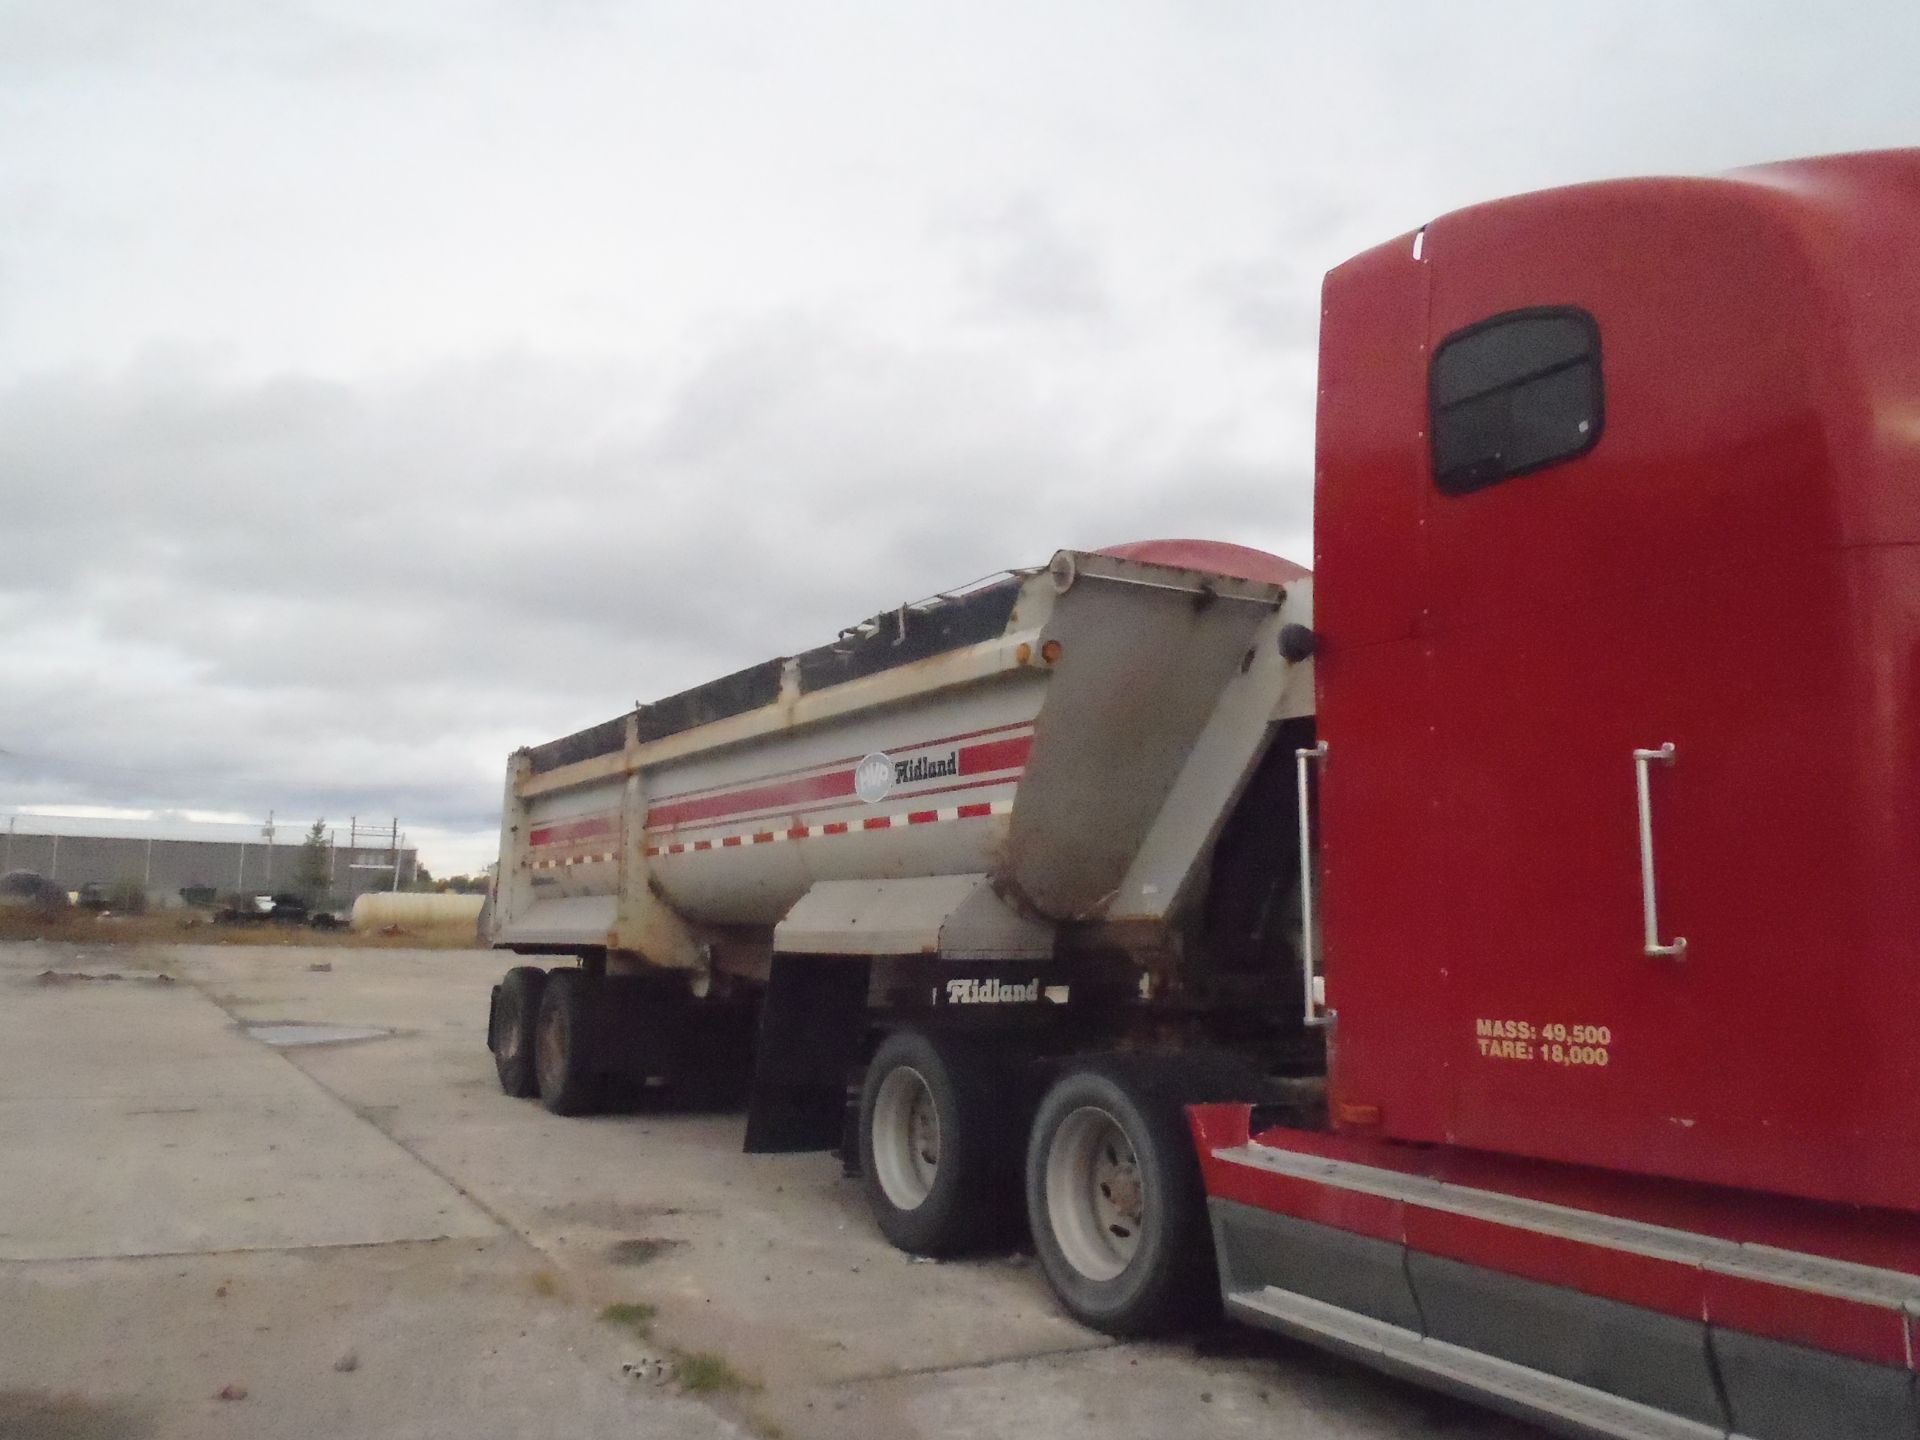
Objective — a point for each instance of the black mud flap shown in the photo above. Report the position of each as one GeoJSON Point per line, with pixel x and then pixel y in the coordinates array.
{"type": "Point", "coordinates": [812, 1025]}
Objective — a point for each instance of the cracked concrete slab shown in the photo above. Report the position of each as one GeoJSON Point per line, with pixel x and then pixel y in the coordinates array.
{"type": "Point", "coordinates": [139, 1121]}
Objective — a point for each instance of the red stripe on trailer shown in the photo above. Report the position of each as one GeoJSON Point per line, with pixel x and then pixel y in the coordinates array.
{"type": "Point", "coordinates": [833, 785]}
{"type": "Point", "coordinates": [905, 748]}
{"type": "Point", "coordinates": [996, 755]}
{"type": "Point", "coordinates": [563, 831]}
{"type": "Point", "coordinates": [891, 820]}
{"type": "Point", "coordinates": [747, 817]}
{"type": "Point", "coordinates": [784, 795]}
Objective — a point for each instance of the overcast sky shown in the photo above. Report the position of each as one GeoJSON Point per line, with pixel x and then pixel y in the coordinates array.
{"type": "Point", "coordinates": [383, 386]}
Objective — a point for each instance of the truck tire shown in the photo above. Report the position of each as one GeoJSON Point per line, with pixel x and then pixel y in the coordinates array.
{"type": "Point", "coordinates": [510, 1027]}
{"type": "Point", "coordinates": [1114, 1199]}
{"type": "Point", "coordinates": [935, 1149]}
{"type": "Point", "coordinates": [565, 1058]}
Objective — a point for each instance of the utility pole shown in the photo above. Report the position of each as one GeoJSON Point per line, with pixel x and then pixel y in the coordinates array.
{"type": "Point", "coordinates": [12, 820]}
{"type": "Point", "coordinates": [53, 870]}
{"type": "Point", "coordinates": [396, 852]}
{"type": "Point", "coordinates": [267, 832]}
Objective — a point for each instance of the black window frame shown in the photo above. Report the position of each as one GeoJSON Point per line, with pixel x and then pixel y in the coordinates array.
{"type": "Point", "coordinates": [1592, 353]}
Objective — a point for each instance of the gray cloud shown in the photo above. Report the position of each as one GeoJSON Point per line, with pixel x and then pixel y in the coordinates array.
{"type": "Point", "coordinates": [382, 388]}
{"type": "Point", "coordinates": [331, 597]}
{"type": "Point", "coordinates": [1023, 263]}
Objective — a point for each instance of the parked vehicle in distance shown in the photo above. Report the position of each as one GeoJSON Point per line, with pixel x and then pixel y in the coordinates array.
{"type": "Point", "coordinates": [1490, 957]}
{"type": "Point", "coordinates": [281, 909]}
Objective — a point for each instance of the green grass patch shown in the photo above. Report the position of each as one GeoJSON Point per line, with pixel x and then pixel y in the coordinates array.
{"type": "Point", "coordinates": [634, 1315]}
{"type": "Point", "coordinates": [702, 1372]}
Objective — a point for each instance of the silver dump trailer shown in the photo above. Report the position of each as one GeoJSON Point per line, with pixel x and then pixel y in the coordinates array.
{"type": "Point", "coordinates": [1046, 814]}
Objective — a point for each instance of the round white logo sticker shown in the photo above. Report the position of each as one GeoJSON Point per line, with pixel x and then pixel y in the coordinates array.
{"type": "Point", "coordinates": [873, 778]}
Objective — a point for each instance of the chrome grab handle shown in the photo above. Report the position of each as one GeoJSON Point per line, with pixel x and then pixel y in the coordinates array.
{"type": "Point", "coordinates": [1315, 1011]}
{"type": "Point", "coordinates": [1649, 908]}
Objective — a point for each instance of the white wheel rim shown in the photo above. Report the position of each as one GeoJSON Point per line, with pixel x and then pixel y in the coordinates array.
{"type": "Point", "coordinates": [906, 1138]}
{"type": "Point", "coordinates": [1096, 1201]}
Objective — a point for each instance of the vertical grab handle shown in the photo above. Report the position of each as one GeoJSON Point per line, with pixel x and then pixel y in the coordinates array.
{"type": "Point", "coordinates": [1649, 907]}
{"type": "Point", "coordinates": [1315, 1011]}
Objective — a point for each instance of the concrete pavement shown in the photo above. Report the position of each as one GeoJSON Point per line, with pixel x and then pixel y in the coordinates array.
{"type": "Point", "coordinates": [380, 1195]}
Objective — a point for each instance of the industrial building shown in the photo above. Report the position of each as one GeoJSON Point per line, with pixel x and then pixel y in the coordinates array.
{"type": "Point", "coordinates": [63, 851]}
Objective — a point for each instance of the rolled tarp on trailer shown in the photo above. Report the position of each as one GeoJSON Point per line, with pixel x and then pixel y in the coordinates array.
{"type": "Point", "coordinates": [409, 910]}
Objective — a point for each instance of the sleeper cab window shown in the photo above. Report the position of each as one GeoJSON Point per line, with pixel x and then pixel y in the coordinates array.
{"type": "Point", "coordinates": [1512, 394]}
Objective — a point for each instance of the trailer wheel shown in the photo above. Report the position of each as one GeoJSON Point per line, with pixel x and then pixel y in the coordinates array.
{"type": "Point", "coordinates": [563, 1052]}
{"type": "Point", "coordinates": [1115, 1202]}
{"type": "Point", "coordinates": [934, 1149]}
{"type": "Point", "coordinates": [510, 1027]}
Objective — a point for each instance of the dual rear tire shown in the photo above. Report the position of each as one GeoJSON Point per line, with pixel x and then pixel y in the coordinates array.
{"type": "Point", "coordinates": [1115, 1203]}
{"type": "Point", "coordinates": [937, 1144]}
{"type": "Point", "coordinates": [541, 1030]}
{"type": "Point", "coordinates": [581, 1042]}
{"type": "Point", "coordinates": [1113, 1197]}
{"type": "Point", "coordinates": [511, 1027]}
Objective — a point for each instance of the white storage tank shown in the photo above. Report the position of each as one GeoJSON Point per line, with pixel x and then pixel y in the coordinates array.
{"type": "Point", "coordinates": [422, 910]}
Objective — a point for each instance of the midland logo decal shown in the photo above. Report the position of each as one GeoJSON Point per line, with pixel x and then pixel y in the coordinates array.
{"type": "Point", "coordinates": [991, 992]}
{"type": "Point", "coordinates": [875, 776]}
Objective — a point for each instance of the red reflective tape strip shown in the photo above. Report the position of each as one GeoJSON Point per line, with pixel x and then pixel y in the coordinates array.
{"type": "Point", "coordinates": [798, 832]}
{"type": "Point", "coordinates": [703, 844]}
{"type": "Point", "coordinates": [922, 817]}
{"type": "Point", "coordinates": [834, 827]}
{"type": "Point", "coordinates": [876, 822]}
{"type": "Point", "coordinates": [974, 811]}
{"type": "Point", "coordinates": [996, 755]}
{"type": "Point", "coordinates": [731, 840]}
{"type": "Point", "coordinates": [652, 850]}
{"type": "Point", "coordinates": [763, 837]}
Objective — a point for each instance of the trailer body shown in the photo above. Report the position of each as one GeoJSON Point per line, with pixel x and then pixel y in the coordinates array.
{"type": "Point", "coordinates": [1050, 751]}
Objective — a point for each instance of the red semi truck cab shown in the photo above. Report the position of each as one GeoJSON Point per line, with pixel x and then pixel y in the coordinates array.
{"type": "Point", "coordinates": [1617, 596]}
{"type": "Point", "coordinates": [1602, 471]}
